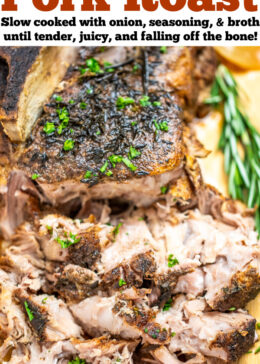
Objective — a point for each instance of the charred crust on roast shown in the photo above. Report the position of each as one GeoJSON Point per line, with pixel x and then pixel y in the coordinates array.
{"type": "Point", "coordinates": [76, 283]}
{"type": "Point", "coordinates": [141, 267]}
{"type": "Point", "coordinates": [243, 287]}
{"type": "Point", "coordinates": [39, 320]}
{"type": "Point", "coordinates": [237, 342]}
{"type": "Point", "coordinates": [18, 62]}
{"type": "Point", "coordinates": [86, 252]}
{"type": "Point", "coordinates": [142, 319]}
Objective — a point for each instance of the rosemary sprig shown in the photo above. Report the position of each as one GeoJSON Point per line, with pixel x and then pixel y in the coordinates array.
{"type": "Point", "coordinates": [243, 171]}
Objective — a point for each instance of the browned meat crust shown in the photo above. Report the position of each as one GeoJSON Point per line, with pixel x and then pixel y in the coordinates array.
{"type": "Point", "coordinates": [29, 76]}
{"type": "Point", "coordinates": [237, 342]}
{"type": "Point", "coordinates": [243, 287]}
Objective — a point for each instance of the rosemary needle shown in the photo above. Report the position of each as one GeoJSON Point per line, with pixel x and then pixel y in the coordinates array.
{"type": "Point", "coordinates": [243, 173]}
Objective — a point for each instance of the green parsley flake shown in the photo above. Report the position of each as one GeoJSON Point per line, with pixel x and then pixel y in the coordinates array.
{"type": "Point", "coordinates": [71, 102]}
{"type": "Point", "coordinates": [69, 241]}
{"type": "Point", "coordinates": [104, 167]}
{"type": "Point", "coordinates": [116, 229]}
{"type": "Point", "coordinates": [163, 49]}
{"type": "Point", "coordinates": [118, 360]}
{"type": "Point", "coordinates": [121, 282]}
{"type": "Point", "coordinates": [146, 330]}
{"type": "Point", "coordinates": [129, 164]}
{"type": "Point", "coordinates": [163, 126]}
{"type": "Point", "coordinates": [98, 132]}
{"type": "Point", "coordinates": [109, 173]}
{"type": "Point", "coordinates": [249, 352]}
{"type": "Point", "coordinates": [258, 325]}
{"type": "Point", "coordinates": [49, 128]}
{"type": "Point", "coordinates": [133, 123]}
{"type": "Point", "coordinates": [57, 98]}
{"type": "Point", "coordinates": [92, 66]}
{"type": "Point", "coordinates": [257, 350]}
{"type": "Point", "coordinates": [83, 105]}
{"type": "Point", "coordinates": [172, 261]}
{"type": "Point", "coordinates": [122, 102]}
{"type": "Point", "coordinates": [173, 334]}
{"type": "Point", "coordinates": [44, 300]}
{"type": "Point", "coordinates": [50, 229]}
{"type": "Point", "coordinates": [28, 310]}
{"type": "Point", "coordinates": [164, 190]}
{"type": "Point", "coordinates": [167, 305]}
{"type": "Point", "coordinates": [77, 360]}
{"type": "Point", "coordinates": [145, 101]}
{"type": "Point", "coordinates": [136, 67]}
{"type": "Point", "coordinates": [108, 68]}
{"type": "Point", "coordinates": [156, 103]}
{"type": "Point", "coordinates": [68, 145]}
{"type": "Point", "coordinates": [35, 176]}
{"type": "Point", "coordinates": [88, 175]}
{"type": "Point", "coordinates": [232, 309]}
{"type": "Point", "coordinates": [64, 118]}
{"type": "Point", "coordinates": [133, 153]}
{"type": "Point", "coordinates": [114, 159]}
{"type": "Point", "coordinates": [89, 91]}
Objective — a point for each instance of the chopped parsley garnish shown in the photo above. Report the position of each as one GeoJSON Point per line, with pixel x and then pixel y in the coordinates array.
{"type": "Point", "coordinates": [167, 305]}
{"type": "Point", "coordinates": [89, 91]}
{"type": "Point", "coordinates": [71, 102]}
{"type": "Point", "coordinates": [172, 261]}
{"type": "Point", "coordinates": [104, 167]}
{"type": "Point", "coordinates": [145, 101]}
{"type": "Point", "coordinates": [118, 360]}
{"type": "Point", "coordinates": [88, 175]}
{"type": "Point", "coordinates": [146, 330]}
{"type": "Point", "coordinates": [107, 67]}
{"type": "Point", "coordinates": [69, 241]}
{"type": "Point", "coordinates": [98, 132]}
{"type": "Point", "coordinates": [44, 300]}
{"type": "Point", "coordinates": [109, 173]}
{"type": "Point", "coordinates": [28, 310]}
{"type": "Point", "coordinates": [83, 105]}
{"type": "Point", "coordinates": [133, 153]}
{"type": "Point", "coordinates": [232, 309]}
{"type": "Point", "coordinates": [68, 145]}
{"type": "Point", "coordinates": [173, 334]}
{"type": "Point", "coordinates": [122, 102]}
{"type": "Point", "coordinates": [116, 229]}
{"type": "Point", "coordinates": [121, 282]}
{"type": "Point", "coordinates": [258, 325]}
{"type": "Point", "coordinates": [129, 164]}
{"type": "Point", "coordinates": [49, 128]}
{"type": "Point", "coordinates": [156, 103]}
{"type": "Point", "coordinates": [133, 123]}
{"type": "Point", "coordinates": [64, 118]}
{"type": "Point", "coordinates": [136, 67]}
{"type": "Point", "coordinates": [35, 176]}
{"type": "Point", "coordinates": [92, 66]}
{"type": "Point", "coordinates": [257, 350]}
{"type": "Point", "coordinates": [57, 98]}
{"type": "Point", "coordinates": [77, 360]}
{"type": "Point", "coordinates": [50, 229]}
{"type": "Point", "coordinates": [163, 49]}
{"type": "Point", "coordinates": [249, 352]}
{"type": "Point", "coordinates": [163, 126]}
{"type": "Point", "coordinates": [164, 190]}
{"type": "Point", "coordinates": [140, 218]}
{"type": "Point", "coordinates": [115, 159]}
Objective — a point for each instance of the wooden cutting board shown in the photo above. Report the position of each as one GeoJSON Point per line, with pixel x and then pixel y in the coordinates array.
{"type": "Point", "coordinates": [208, 132]}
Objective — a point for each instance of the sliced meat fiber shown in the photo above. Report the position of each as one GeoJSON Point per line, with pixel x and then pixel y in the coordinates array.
{"type": "Point", "coordinates": [101, 315]}
{"type": "Point", "coordinates": [47, 353]}
{"type": "Point", "coordinates": [50, 318]}
{"type": "Point", "coordinates": [224, 336]}
{"type": "Point", "coordinates": [106, 351]}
